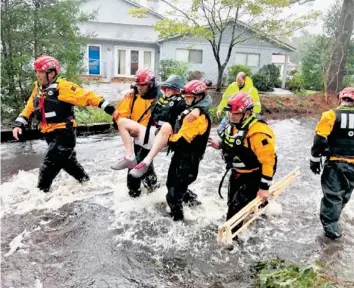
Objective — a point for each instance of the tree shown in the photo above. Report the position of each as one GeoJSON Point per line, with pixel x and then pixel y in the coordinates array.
{"type": "Point", "coordinates": [219, 22]}
{"type": "Point", "coordinates": [315, 56]}
{"type": "Point", "coordinates": [336, 70]}
{"type": "Point", "coordinates": [31, 28]}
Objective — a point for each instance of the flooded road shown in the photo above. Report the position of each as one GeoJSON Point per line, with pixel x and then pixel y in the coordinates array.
{"type": "Point", "coordinates": [95, 235]}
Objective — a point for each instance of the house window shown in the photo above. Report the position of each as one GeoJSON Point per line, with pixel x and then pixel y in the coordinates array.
{"type": "Point", "coordinates": [147, 59]}
{"type": "Point", "coordinates": [94, 57]}
{"type": "Point", "coordinates": [189, 55]}
{"type": "Point", "coordinates": [129, 60]}
{"type": "Point", "coordinates": [250, 60]}
{"type": "Point", "coordinates": [121, 56]}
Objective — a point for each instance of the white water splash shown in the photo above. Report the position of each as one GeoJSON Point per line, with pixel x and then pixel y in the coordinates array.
{"type": "Point", "coordinates": [16, 243]}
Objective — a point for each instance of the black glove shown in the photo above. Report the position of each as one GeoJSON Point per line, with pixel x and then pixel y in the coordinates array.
{"type": "Point", "coordinates": [315, 167]}
{"type": "Point", "coordinates": [109, 109]}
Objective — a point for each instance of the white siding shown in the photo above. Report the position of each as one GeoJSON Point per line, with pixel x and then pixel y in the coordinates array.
{"type": "Point", "coordinates": [209, 65]}
{"type": "Point", "coordinates": [116, 11]}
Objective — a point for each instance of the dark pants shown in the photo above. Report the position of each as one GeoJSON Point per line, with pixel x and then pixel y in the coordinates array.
{"type": "Point", "coordinates": [149, 179]}
{"type": "Point", "coordinates": [60, 155]}
{"type": "Point", "coordinates": [182, 172]}
{"type": "Point", "coordinates": [337, 182]}
{"type": "Point", "coordinates": [243, 188]}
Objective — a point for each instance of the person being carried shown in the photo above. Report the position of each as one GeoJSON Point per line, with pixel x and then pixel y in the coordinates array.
{"type": "Point", "coordinates": [248, 148]}
{"type": "Point", "coordinates": [334, 138]}
{"type": "Point", "coordinates": [144, 124]}
{"type": "Point", "coordinates": [243, 83]}
{"type": "Point", "coordinates": [188, 141]}
{"type": "Point", "coordinates": [52, 102]}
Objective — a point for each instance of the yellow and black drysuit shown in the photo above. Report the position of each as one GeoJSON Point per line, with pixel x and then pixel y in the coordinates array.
{"type": "Point", "coordinates": [53, 106]}
{"type": "Point", "coordinates": [250, 152]}
{"type": "Point", "coordinates": [153, 111]}
{"type": "Point", "coordinates": [139, 108]}
{"type": "Point", "coordinates": [188, 142]}
{"type": "Point", "coordinates": [334, 139]}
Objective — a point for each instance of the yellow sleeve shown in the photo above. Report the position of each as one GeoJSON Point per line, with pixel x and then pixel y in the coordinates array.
{"type": "Point", "coordinates": [124, 107]}
{"type": "Point", "coordinates": [28, 110]}
{"type": "Point", "coordinates": [190, 130]}
{"type": "Point", "coordinates": [256, 101]}
{"type": "Point", "coordinates": [230, 90]}
{"type": "Point", "coordinates": [325, 125]}
{"type": "Point", "coordinates": [74, 94]}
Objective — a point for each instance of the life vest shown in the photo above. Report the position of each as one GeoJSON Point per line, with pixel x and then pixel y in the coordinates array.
{"type": "Point", "coordinates": [49, 109]}
{"type": "Point", "coordinates": [235, 153]}
{"type": "Point", "coordinates": [199, 143]}
{"type": "Point", "coordinates": [163, 113]}
{"type": "Point", "coordinates": [341, 139]}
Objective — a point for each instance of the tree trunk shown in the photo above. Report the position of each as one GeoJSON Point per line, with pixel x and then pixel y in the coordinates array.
{"type": "Point", "coordinates": [218, 94]}
{"type": "Point", "coordinates": [336, 70]}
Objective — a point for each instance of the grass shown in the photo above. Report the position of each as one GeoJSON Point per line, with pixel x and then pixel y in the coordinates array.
{"type": "Point", "coordinates": [279, 274]}
{"type": "Point", "coordinates": [90, 115]}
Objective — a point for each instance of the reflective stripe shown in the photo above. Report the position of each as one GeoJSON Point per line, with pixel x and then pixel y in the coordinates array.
{"type": "Point", "coordinates": [343, 121]}
{"type": "Point", "coordinates": [22, 120]}
{"type": "Point", "coordinates": [351, 121]}
{"type": "Point", "coordinates": [53, 85]}
{"type": "Point", "coordinates": [104, 105]}
{"type": "Point", "coordinates": [266, 181]}
{"type": "Point", "coordinates": [239, 165]}
{"type": "Point", "coordinates": [50, 114]}
{"type": "Point", "coordinates": [315, 159]}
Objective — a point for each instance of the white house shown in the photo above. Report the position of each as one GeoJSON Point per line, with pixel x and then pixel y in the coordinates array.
{"type": "Point", "coordinates": [120, 44]}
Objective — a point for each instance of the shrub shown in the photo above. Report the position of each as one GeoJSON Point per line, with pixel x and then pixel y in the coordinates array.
{"type": "Point", "coordinates": [169, 67]}
{"type": "Point", "coordinates": [192, 75]}
{"type": "Point", "coordinates": [260, 81]}
{"type": "Point", "coordinates": [272, 73]}
{"type": "Point", "coordinates": [235, 69]}
{"type": "Point", "coordinates": [295, 83]}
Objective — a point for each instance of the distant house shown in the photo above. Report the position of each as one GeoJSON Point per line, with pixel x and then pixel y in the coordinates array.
{"type": "Point", "coordinates": [121, 44]}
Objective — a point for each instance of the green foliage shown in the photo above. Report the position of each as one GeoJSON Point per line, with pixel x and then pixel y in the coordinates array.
{"type": "Point", "coordinates": [235, 69]}
{"type": "Point", "coordinates": [279, 274]}
{"type": "Point", "coordinates": [272, 73]}
{"type": "Point", "coordinates": [260, 81]}
{"type": "Point", "coordinates": [213, 117]}
{"type": "Point", "coordinates": [295, 83]}
{"type": "Point", "coordinates": [90, 115]}
{"type": "Point", "coordinates": [169, 67]}
{"type": "Point", "coordinates": [32, 28]}
{"type": "Point", "coordinates": [331, 19]}
{"type": "Point", "coordinates": [192, 75]}
{"type": "Point", "coordinates": [315, 59]}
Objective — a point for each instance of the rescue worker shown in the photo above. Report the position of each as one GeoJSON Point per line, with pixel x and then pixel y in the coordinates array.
{"type": "Point", "coordinates": [188, 140]}
{"type": "Point", "coordinates": [162, 110]}
{"type": "Point", "coordinates": [137, 109]}
{"type": "Point", "coordinates": [52, 102]}
{"type": "Point", "coordinates": [248, 148]}
{"type": "Point", "coordinates": [334, 138]}
{"type": "Point", "coordinates": [243, 84]}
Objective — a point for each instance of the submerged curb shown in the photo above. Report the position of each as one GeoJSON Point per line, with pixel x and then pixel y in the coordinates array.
{"type": "Point", "coordinates": [81, 130]}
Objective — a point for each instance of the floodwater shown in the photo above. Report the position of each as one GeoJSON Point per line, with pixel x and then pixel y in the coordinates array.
{"type": "Point", "coordinates": [95, 235]}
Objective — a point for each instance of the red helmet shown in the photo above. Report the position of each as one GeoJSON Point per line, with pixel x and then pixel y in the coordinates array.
{"type": "Point", "coordinates": [46, 64]}
{"type": "Point", "coordinates": [196, 88]}
{"type": "Point", "coordinates": [347, 93]}
{"type": "Point", "coordinates": [144, 76]}
{"type": "Point", "coordinates": [239, 103]}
